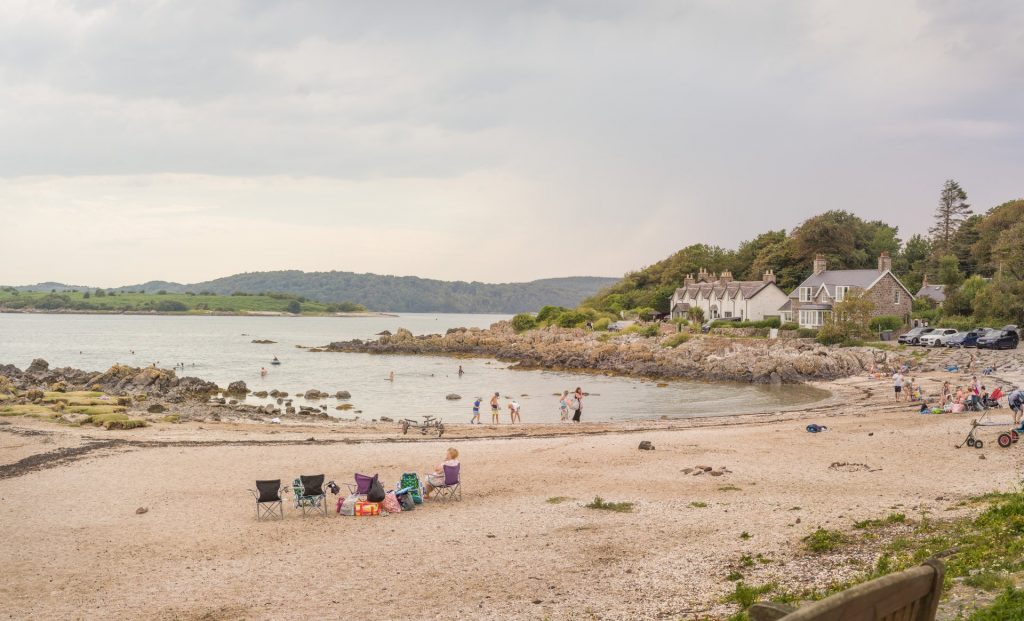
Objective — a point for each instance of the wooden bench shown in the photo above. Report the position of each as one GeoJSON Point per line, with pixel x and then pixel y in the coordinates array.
{"type": "Point", "coordinates": [911, 595]}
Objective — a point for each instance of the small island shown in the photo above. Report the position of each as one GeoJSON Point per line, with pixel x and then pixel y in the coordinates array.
{"type": "Point", "coordinates": [102, 301]}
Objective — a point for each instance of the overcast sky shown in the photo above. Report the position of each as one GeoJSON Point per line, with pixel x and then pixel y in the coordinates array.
{"type": "Point", "coordinates": [490, 141]}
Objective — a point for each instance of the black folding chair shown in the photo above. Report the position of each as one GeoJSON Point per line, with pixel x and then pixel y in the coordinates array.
{"type": "Point", "coordinates": [268, 500]}
{"type": "Point", "coordinates": [310, 496]}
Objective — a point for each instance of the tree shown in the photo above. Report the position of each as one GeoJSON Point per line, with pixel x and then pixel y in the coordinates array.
{"type": "Point", "coordinates": [294, 307]}
{"type": "Point", "coordinates": [1008, 254]}
{"type": "Point", "coordinates": [953, 209]}
{"type": "Point", "coordinates": [696, 314]}
{"type": "Point", "coordinates": [85, 295]}
{"type": "Point", "coordinates": [523, 322]}
{"type": "Point", "coordinates": [850, 319]}
{"type": "Point", "coordinates": [912, 261]}
{"type": "Point", "coordinates": [988, 229]}
{"type": "Point", "coordinates": [100, 293]}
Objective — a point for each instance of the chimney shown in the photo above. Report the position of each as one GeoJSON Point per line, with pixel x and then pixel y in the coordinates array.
{"type": "Point", "coordinates": [924, 281]}
{"type": "Point", "coordinates": [702, 275]}
{"type": "Point", "coordinates": [726, 277]}
{"type": "Point", "coordinates": [688, 281]}
{"type": "Point", "coordinates": [819, 263]}
{"type": "Point", "coordinates": [884, 262]}
{"type": "Point", "coordinates": [769, 276]}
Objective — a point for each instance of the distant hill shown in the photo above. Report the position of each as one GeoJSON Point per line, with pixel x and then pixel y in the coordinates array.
{"type": "Point", "coordinates": [408, 294]}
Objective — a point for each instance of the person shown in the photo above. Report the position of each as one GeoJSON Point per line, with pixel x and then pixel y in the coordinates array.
{"type": "Point", "coordinates": [461, 372]}
{"type": "Point", "coordinates": [276, 360]}
{"type": "Point", "coordinates": [947, 390]}
{"type": "Point", "coordinates": [513, 411]}
{"type": "Point", "coordinates": [436, 478]}
{"type": "Point", "coordinates": [897, 384]}
{"type": "Point", "coordinates": [495, 410]}
{"type": "Point", "coordinates": [959, 396]}
{"type": "Point", "coordinates": [577, 405]}
{"type": "Point", "coordinates": [563, 406]}
{"type": "Point", "coordinates": [263, 371]}
{"type": "Point", "coordinates": [1016, 402]}
{"type": "Point", "coordinates": [476, 412]}
{"type": "Point", "coordinates": [391, 376]}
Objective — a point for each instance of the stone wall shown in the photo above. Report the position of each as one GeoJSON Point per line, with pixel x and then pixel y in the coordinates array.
{"type": "Point", "coordinates": [882, 297]}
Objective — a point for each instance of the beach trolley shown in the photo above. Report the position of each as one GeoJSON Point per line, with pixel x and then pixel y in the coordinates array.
{"type": "Point", "coordinates": [1005, 439]}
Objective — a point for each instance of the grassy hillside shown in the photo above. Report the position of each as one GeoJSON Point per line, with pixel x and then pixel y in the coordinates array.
{"type": "Point", "coordinates": [394, 293]}
{"type": "Point", "coordinates": [185, 303]}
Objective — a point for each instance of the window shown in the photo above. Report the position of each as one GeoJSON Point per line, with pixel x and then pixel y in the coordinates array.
{"type": "Point", "coordinates": [812, 318]}
{"type": "Point", "coordinates": [896, 296]}
{"type": "Point", "coordinates": [805, 294]}
{"type": "Point", "coordinates": [841, 293]}
{"type": "Point", "coordinates": [728, 314]}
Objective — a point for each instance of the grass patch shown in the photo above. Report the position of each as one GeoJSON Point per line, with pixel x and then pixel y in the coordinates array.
{"type": "Point", "coordinates": [729, 488]}
{"type": "Point", "coordinates": [745, 535]}
{"type": "Point", "coordinates": [124, 424]}
{"type": "Point", "coordinates": [746, 561]}
{"type": "Point", "coordinates": [698, 504]}
{"type": "Point", "coordinates": [734, 576]}
{"type": "Point", "coordinates": [989, 581]}
{"type": "Point", "coordinates": [603, 505]}
{"type": "Point", "coordinates": [557, 500]}
{"type": "Point", "coordinates": [95, 410]}
{"type": "Point", "coordinates": [28, 409]}
{"type": "Point", "coordinates": [172, 418]}
{"type": "Point", "coordinates": [1007, 607]}
{"type": "Point", "coordinates": [746, 595]}
{"type": "Point", "coordinates": [822, 541]}
{"type": "Point", "coordinates": [675, 340]}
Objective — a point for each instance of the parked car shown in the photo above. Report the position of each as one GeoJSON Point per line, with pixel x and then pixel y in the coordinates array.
{"type": "Point", "coordinates": [999, 339]}
{"type": "Point", "coordinates": [938, 337]}
{"type": "Point", "coordinates": [710, 322]}
{"type": "Point", "coordinates": [913, 337]}
{"type": "Point", "coordinates": [966, 339]}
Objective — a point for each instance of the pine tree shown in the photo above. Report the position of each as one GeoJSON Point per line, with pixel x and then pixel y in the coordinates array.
{"type": "Point", "coordinates": [953, 210]}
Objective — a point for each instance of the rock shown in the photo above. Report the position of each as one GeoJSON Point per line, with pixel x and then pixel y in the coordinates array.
{"type": "Point", "coordinates": [275, 393]}
{"type": "Point", "coordinates": [262, 394]}
{"type": "Point", "coordinates": [75, 419]}
{"type": "Point", "coordinates": [453, 397]}
{"type": "Point", "coordinates": [646, 445]}
{"type": "Point", "coordinates": [269, 409]}
{"type": "Point", "coordinates": [141, 510]}
{"type": "Point", "coordinates": [343, 394]}
{"type": "Point", "coordinates": [38, 367]}
{"type": "Point", "coordinates": [798, 520]}
{"type": "Point", "coordinates": [156, 408]}
{"type": "Point", "coordinates": [34, 395]}
{"type": "Point", "coordinates": [386, 419]}
{"type": "Point", "coordinates": [311, 394]}
{"type": "Point", "coordinates": [705, 468]}
{"type": "Point", "coordinates": [232, 401]}
{"type": "Point", "coordinates": [263, 341]}
{"type": "Point", "coordinates": [716, 473]}
{"type": "Point", "coordinates": [238, 388]}
{"type": "Point", "coordinates": [686, 470]}
{"type": "Point", "coordinates": [289, 410]}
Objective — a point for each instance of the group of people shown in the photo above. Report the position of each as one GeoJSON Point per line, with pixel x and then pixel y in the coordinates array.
{"type": "Point", "coordinates": [566, 402]}
{"type": "Point", "coordinates": [975, 396]}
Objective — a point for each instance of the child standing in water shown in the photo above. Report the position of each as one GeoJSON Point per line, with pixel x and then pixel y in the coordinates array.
{"type": "Point", "coordinates": [495, 410]}
{"type": "Point", "coordinates": [476, 412]}
{"type": "Point", "coordinates": [563, 406]}
{"type": "Point", "coordinates": [513, 411]}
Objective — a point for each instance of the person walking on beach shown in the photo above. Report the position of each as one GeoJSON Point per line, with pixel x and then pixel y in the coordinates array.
{"type": "Point", "coordinates": [897, 384]}
{"type": "Point", "coordinates": [577, 405]}
{"type": "Point", "coordinates": [513, 411]}
{"type": "Point", "coordinates": [495, 410]}
{"type": "Point", "coordinates": [476, 412]}
{"type": "Point", "coordinates": [461, 372]}
{"type": "Point", "coordinates": [563, 406]}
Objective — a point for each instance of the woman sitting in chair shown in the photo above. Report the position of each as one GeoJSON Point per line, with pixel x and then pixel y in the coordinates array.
{"type": "Point", "coordinates": [436, 478]}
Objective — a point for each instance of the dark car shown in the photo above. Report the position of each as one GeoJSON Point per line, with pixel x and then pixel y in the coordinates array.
{"type": "Point", "coordinates": [711, 322]}
{"type": "Point", "coordinates": [999, 339]}
{"type": "Point", "coordinates": [967, 339]}
{"type": "Point", "coordinates": [913, 337]}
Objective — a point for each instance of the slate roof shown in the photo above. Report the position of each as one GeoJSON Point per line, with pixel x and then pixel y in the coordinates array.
{"type": "Point", "coordinates": [831, 279]}
{"type": "Point", "coordinates": [935, 292]}
{"type": "Point", "coordinates": [718, 290]}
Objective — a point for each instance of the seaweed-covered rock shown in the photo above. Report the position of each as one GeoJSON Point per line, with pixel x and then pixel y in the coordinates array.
{"type": "Point", "coordinates": [238, 388]}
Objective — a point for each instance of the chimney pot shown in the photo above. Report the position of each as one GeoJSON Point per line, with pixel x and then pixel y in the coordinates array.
{"type": "Point", "coordinates": [884, 262]}
{"type": "Point", "coordinates": [820, 265]}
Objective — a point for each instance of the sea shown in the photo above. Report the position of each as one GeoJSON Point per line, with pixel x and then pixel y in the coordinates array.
{"type": "Point", "coordinates": [221, 349]}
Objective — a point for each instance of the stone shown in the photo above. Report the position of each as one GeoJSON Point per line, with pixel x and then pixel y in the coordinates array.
{"type": "Point", "coordinates": [38, 367]}
{"type": "Point", "coordinates": [75, 419]}
{"type": "Point", "coordinates": [34, 395]}
{"type": "Point", "coordinates": [262, 394]}
{"type": "Point", "coordinates": [238, 388]}
{"type": "Point", "coordinates": [269, 409]}
{"type": "Point", "coordinates": [343, 394]}
{"type": "Point", "coordinates": [141, 510]}
{"type": "Point", "coordinates": [686, 470]}
{"type": "Point", "coordinates": [156, 408]}
{"type": "Point", "coordinates": [289, 410]}
{"type": "Point", "coordinates": [386, 419]}
{"type": "Point", "coordinates": [232, 401]}
{"type": "Point", "coordinates": [453, 397]}
{"type": "Point", "coordinates": [311, 394]}
{"type": "Point", "coordinates": [716, 473]}
{"type": "Point", "coordinates": [646, 445]}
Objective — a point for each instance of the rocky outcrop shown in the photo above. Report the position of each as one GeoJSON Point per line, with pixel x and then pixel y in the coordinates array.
{"type": "Point", "coordinates": [117, 380]}
{"type": "Point", "coordinates": [238, 388]}
{"type": "Point", "coordinates": [710, 357]}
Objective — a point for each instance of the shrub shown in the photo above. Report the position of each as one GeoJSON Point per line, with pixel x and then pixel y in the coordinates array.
{"type": "Point", "coordinates": [602, 324]}
{"type": "Point", "coordinates": [648, 330]}
{"type": "Point", "coordinates": [831, 334]}
{"type": "Point", "coordinates": [807, 333]}
{"type": "Point", "coordinates": [571, 319]}
{"type": "Point", "coordinates": [100, 293]}
{"type": "Point", "coordinates": [602, 504]}
{"type": "Point", "coordinates": [790, 325]}
{"type": "Point", "coordinates": [886, 322]}
{"type": "Point", "coordinates": [161, 292]}
{"type": "Point", "coordinates": [675, 340]}
{"type": "Point", "coordinates": [822, 540]}
{"type": "Point", "coordinates": [772, 322]}
{"type": "Point", "coordinates": [171, 306]}
{"type": "Point", "coordinates": [52, 301]}
{"type": "Point", "coordinates": [294, 307]}
{"type": "Point", "coordinates": [85, 296]}
{"type": "Point", "coordinates": [549, 314]}
{"type": "Point", "coordinates": [958, 322]}
{"type": "Point", "coordinates": [523, 322]}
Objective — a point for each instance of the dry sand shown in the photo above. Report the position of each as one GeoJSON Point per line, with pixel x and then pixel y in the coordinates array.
{"type": "Point", "coordinates": [73, 547]}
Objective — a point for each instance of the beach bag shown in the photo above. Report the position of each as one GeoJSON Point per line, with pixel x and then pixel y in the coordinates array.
{"type": "Point", "coordinates": [364, 508]}
{"type": "Point", "coordinates": [411, 479]}
{"type": "Point", "coordinates": [347, 506]}
{"type": "Point", "coordinates": [376, 493]}
{"type": "Point", "coordinates": [408, 504]}
{"type": "Point", "coordinates": [391, 504]}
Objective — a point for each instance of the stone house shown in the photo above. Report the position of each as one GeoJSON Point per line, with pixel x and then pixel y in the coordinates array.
{"type": "Point", "coordinates": [935, 293]}
{"type": "Point", "coordinates": [721, 296]}
{"type": "Point", "coordinates": [811, 303]}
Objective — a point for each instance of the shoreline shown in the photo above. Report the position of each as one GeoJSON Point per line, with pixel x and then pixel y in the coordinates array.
{"type": "Point", "coordinates": [191, 313]}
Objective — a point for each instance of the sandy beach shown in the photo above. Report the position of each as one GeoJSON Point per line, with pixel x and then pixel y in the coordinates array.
{"type": "Point", "coordinates": [520, 545]}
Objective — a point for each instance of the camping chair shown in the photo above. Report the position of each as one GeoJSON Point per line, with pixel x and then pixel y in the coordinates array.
{"type": "Point", "coordinates": [310, 496]}
{"type": "Point", "coordinates": [362, 485]}
{"type": "Point", "coordinates": [268, 499]}
{"type": "Point", "coordinates": [452, 487]}
{"type": "Point", "coordinates": [911, 595]}
{"type": "Point", "coordinates": [411, 481]}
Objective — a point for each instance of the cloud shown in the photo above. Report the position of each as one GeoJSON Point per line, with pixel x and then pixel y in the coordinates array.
{"type": "Point", "coordinates": [561, 137]}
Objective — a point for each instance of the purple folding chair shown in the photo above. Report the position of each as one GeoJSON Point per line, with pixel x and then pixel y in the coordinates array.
{"type": "Point", "coordinates": [452, 488]}
{"type": "Point", "coordinates": [362, 485]}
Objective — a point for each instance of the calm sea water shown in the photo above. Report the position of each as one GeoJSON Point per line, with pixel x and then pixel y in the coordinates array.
{"type": "Point", "coordinates": [220, 349]}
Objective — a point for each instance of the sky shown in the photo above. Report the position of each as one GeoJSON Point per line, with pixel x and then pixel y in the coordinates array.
{"type": "Point", "coordinates": [483, 141]}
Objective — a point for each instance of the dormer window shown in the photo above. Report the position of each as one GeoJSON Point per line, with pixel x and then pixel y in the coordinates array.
{"type": "Point", "coordinates": [805, 294]}
{"type": "Point", "coordinates": [841, 293]}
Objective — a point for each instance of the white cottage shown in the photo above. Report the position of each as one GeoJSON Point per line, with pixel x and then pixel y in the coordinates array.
{"type": "Point", "coordinates": [750, 300]}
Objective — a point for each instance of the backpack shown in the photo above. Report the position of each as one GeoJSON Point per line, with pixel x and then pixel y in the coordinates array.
{"type": "Point", "coordinates": [376, 493]}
